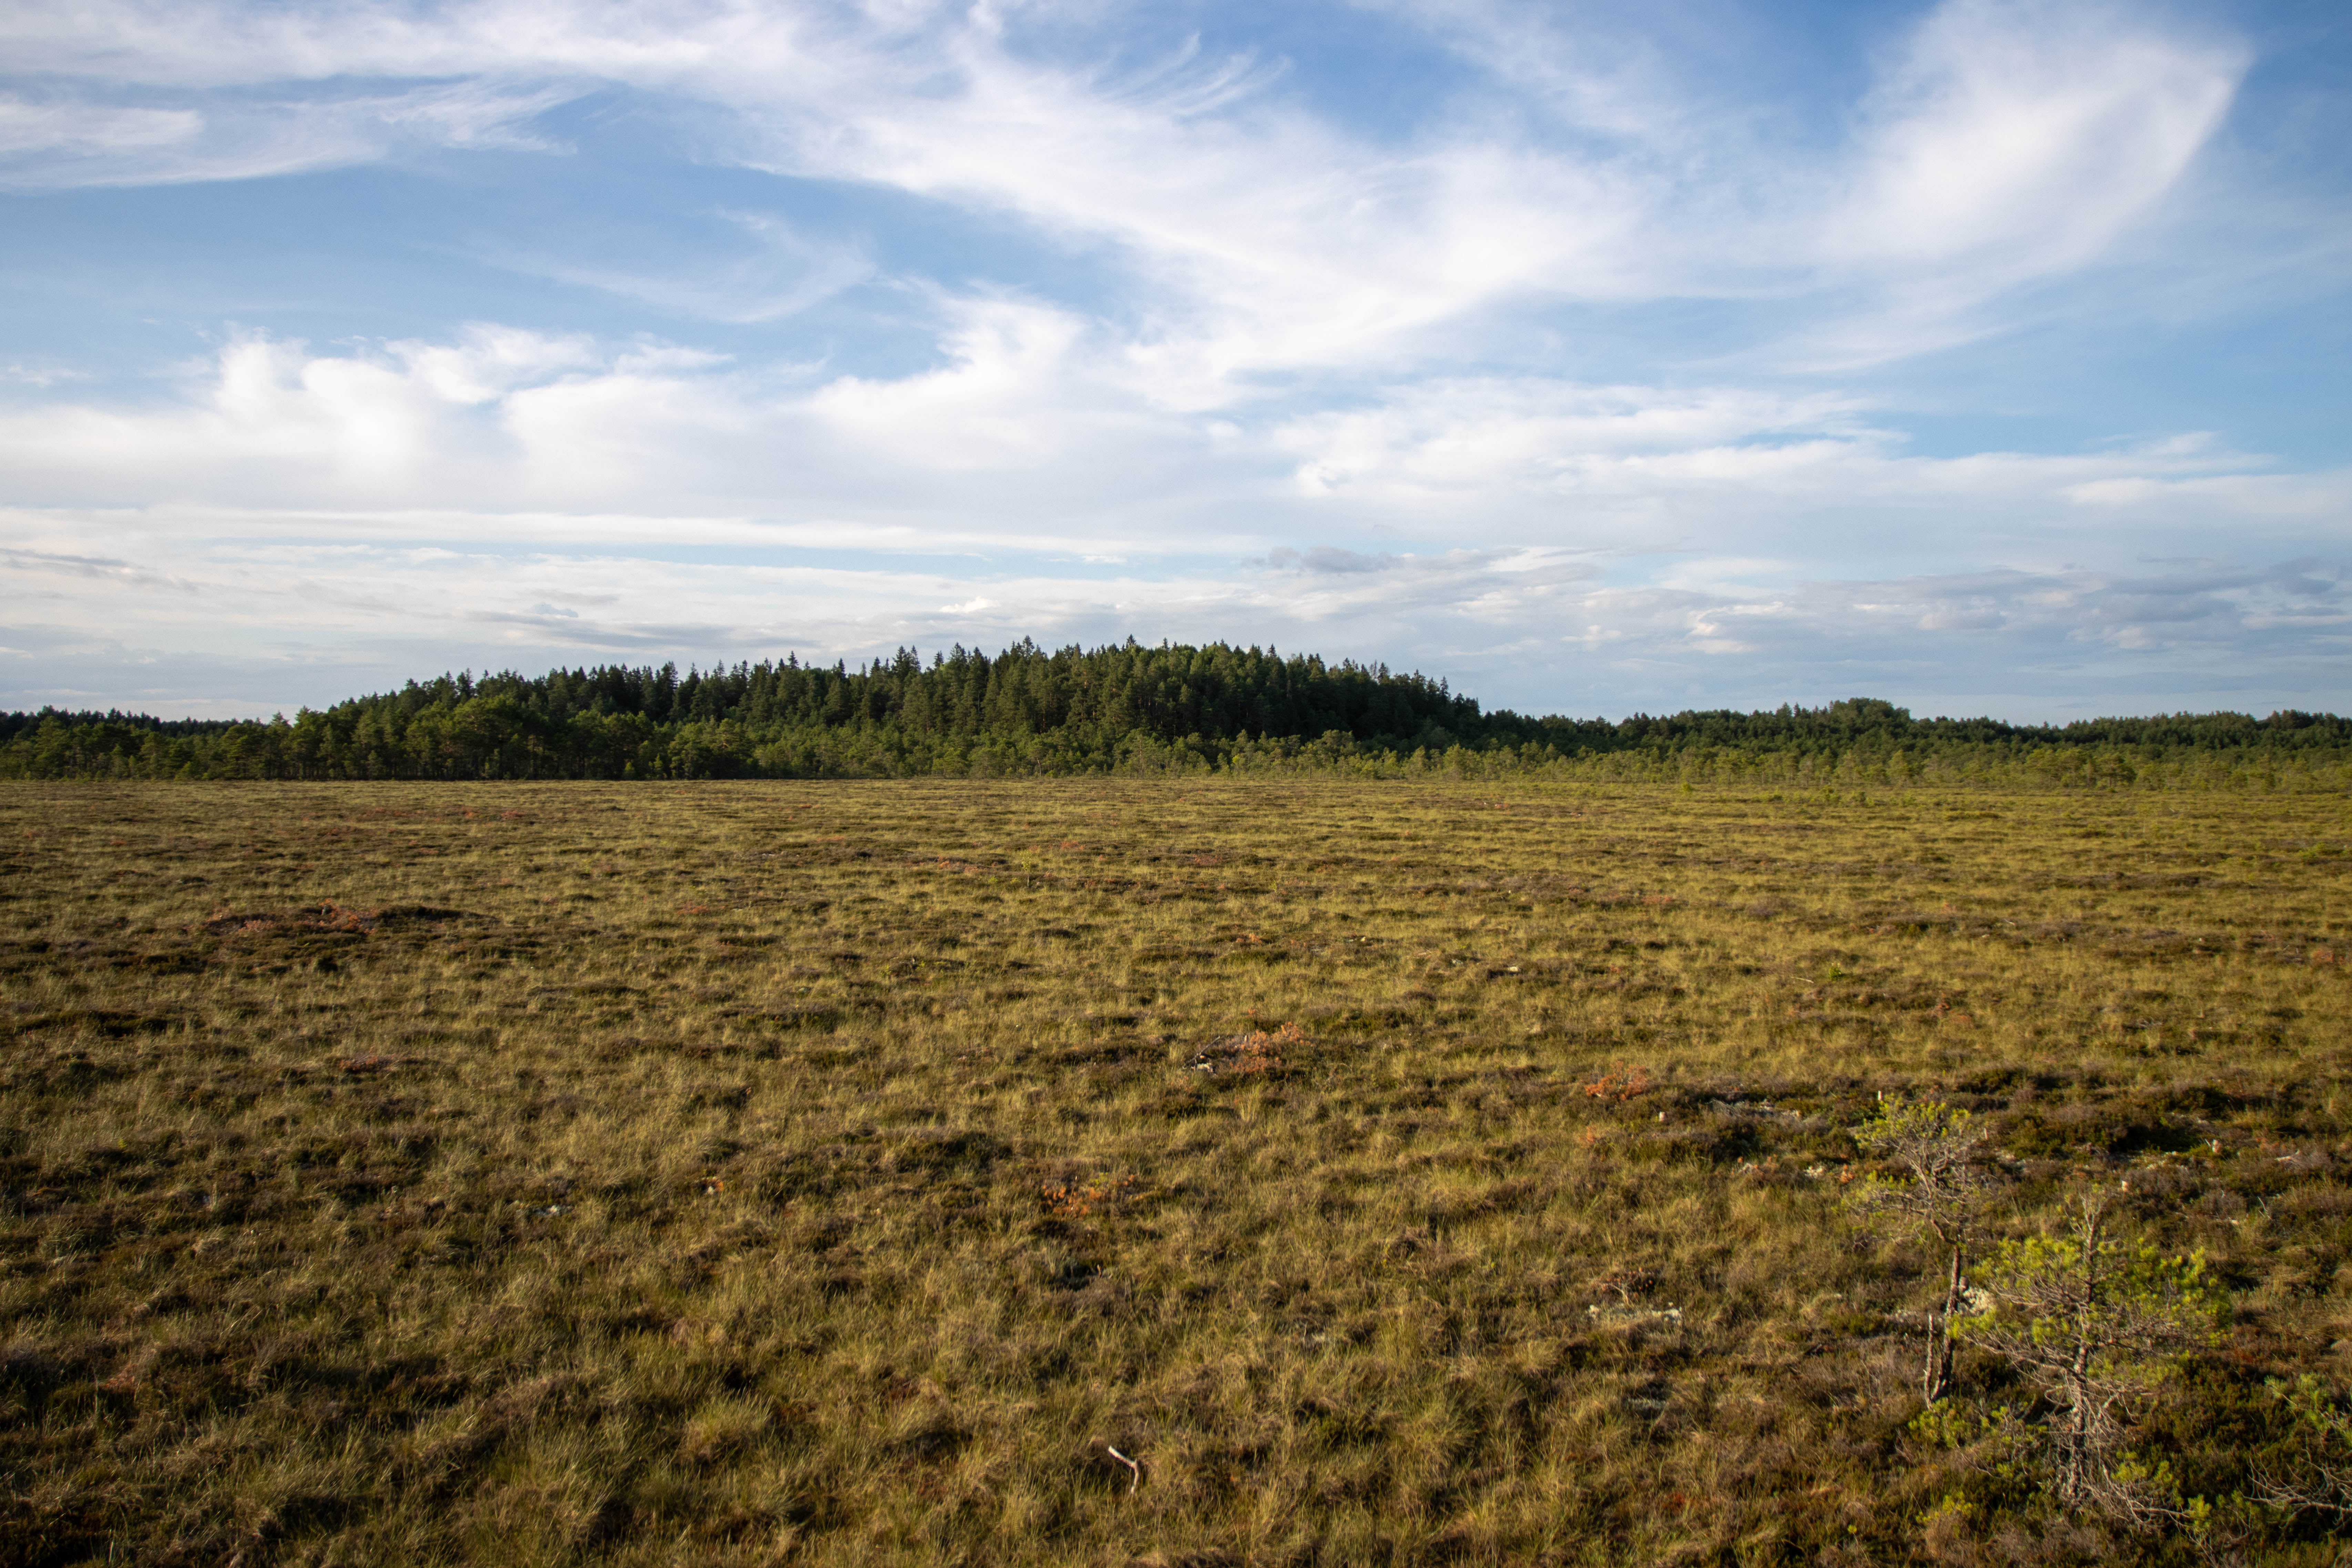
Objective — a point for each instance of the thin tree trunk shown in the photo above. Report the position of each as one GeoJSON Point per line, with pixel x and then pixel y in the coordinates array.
{"type": "Point", "coordinates": [2076, 1473]}
{"type": "Point", "coordinates": [1939, 1349]}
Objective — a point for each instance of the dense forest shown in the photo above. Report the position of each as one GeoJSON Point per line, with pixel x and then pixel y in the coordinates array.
{"type": "Point", "coordinates": [1120, 709]}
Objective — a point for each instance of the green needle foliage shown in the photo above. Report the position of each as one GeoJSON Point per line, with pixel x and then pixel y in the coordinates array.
{"type": "Point", "coordinates": [2321, 1479]}
{"type": "Point", "coordinates": [2094, 1322]}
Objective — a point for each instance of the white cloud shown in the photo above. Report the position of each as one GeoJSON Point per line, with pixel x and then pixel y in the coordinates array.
{"type": "Point", "coordinates": [2008, 142]}
{"type": "Point", "coordinates": [2021, 136]}
{"type": "Point", "coordinates": [63, 141]}
{"type": "Point", "coordinates": [1442, 441]}
{"type": "Point", "coordinates": [80, 131]}
{"type": "Point", "coordinates": [1028, 439]}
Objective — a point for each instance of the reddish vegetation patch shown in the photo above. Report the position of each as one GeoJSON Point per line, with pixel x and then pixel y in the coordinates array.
{"type": "Point", "coordinates": [1621, 1083]}
{"type": "Point", "coordinates": [1259, 1051]}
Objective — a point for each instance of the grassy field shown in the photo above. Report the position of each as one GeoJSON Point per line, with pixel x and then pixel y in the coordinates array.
{"type": "Point", "coordinates": [1394, 1173]}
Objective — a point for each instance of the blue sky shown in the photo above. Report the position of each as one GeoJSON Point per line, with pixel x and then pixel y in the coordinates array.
{"type": "Point", "coordinates": [1986, 356]}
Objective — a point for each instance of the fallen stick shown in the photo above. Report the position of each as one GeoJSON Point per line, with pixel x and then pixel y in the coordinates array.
{"type": "Point", "coordinates": [1134, 1471]}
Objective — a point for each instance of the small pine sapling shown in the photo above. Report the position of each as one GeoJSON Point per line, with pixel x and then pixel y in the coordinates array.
{"type": "Point", "coordinates": [2323, 1426]}
{"type": "Point", "coordinates": [2095, 1323]}
{"type": "Point", "coordinates": [1938, 1188]}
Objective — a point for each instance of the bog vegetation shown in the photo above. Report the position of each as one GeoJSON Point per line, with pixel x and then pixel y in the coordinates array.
{"type": "Point", "coordinates": [1198, 1171]}
{"type": "Point", "coordinates": [1135, 711]}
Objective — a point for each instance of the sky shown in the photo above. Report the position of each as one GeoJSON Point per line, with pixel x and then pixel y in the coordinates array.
{"type": "Point", "coordinates": [1988, 357]}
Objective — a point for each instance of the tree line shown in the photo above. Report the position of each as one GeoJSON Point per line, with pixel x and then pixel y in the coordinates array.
{"type": "Point", "coordinates": [1119, 707]}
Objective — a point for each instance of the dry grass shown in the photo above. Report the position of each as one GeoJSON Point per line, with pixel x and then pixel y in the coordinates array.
{"type": "Point", "coordinates": [836, 1173]}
